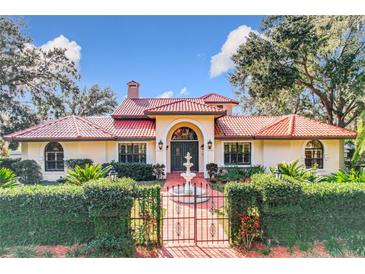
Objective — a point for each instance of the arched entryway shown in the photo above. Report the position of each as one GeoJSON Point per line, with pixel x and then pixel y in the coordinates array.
{"type": "Point", "coordinates": [184, 140]}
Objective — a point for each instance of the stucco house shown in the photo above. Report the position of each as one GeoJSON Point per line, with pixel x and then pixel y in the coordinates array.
{"type": "Point", "coordinates": [163, 130]}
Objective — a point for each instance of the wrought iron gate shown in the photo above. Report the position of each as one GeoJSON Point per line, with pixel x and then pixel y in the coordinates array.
{"type": "Point", "coordinates": [198, 217]}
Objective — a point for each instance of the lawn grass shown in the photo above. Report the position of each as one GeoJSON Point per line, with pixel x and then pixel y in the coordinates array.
{"type": "Point", "coordinates": [24, 252]}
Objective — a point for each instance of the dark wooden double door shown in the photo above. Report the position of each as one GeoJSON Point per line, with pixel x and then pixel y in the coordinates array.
{"type": "Point", "coordinates": [179, 149]}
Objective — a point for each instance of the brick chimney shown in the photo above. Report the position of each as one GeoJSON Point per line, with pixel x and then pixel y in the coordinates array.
{"type": "Point", "coordinates": [133, 89]}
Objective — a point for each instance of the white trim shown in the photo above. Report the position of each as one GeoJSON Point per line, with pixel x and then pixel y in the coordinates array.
{"type": "Point", "coordinates": [42, 160]}
{"type": "Point", "coordinates": [131, 142]}
{"type": "Point", "coordinates": [325, 153]}
{"type": "Point", "coordinates": [238, 141]}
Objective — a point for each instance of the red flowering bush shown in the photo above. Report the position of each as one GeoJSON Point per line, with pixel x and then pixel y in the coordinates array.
{"type": "Point", "coordinates": [249, 227]}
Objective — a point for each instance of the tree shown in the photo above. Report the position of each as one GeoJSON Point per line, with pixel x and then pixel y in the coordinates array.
{"type": "Point", "coordinates": [28, 76]}
{"type": "Point", "coordinates": [320, 57]}
{"type": "Point", "coordinates": [90, 101]}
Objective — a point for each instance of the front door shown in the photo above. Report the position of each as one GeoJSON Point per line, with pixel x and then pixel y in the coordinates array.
{"type": "Point", "coordinates": [179, 149]}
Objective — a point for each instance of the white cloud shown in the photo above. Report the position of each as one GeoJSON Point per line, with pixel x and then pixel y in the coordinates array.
{"type": "Point", "coordinates": [184, 91]}
{"type": "Point", "coordinates": [73, 50]}
{"type": "Point", "coordinates": [166, 94]}
{"type": "Point", "coordinates": [221, 62]}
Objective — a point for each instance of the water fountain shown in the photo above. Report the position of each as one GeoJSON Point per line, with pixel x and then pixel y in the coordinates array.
{"type": "Point", "coordinates": [185, 193]}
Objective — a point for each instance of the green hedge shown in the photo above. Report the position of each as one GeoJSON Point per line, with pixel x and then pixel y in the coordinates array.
{"type": "Point", "coordinates": [301, 211]}
{"type": "Point", "coordinates": [44, 215]}
{"type": "Point", "coordinates": [51, 215]}
{"type": "Point", "coordinates": [136, 171]}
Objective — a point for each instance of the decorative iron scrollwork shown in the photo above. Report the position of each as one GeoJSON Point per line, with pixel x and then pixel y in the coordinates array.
{"type": "Point", "coordinates": [178, 209]}
{"type": "Point", "coordinates": [212, 230]}
{"type": "Point", "coordinates": [212, 208]}
{"type": "Point", "coordinates": [178, 229]}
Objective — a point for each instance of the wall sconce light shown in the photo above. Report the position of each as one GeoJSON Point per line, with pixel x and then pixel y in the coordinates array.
{"type": "Point", "coordinates": [210, 144]}
{"type": "Point", "coordinates": [202, 147]}
{"type": "Point", "coordinates": [160, 144]}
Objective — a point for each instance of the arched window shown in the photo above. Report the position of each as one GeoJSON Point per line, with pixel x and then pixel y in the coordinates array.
{"type": "Point", "coordinates": [53, 155]}
{"type": "Point", "coordinates": [184, 133]}
{"type": "Point", "coordinates": [314, 154]}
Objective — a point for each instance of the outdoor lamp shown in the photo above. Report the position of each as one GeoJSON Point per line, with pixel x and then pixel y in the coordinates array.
{"type": "Point", "coordinates": [210, 144]}
{"type": "Point", "coordinates": [277, 173]}
{"type": "Point", "coordinates": [160, 144]}
{"type": "Point", "coordinates": [113, 175]}
{"type": "Point", "coordinates": [202, 146]}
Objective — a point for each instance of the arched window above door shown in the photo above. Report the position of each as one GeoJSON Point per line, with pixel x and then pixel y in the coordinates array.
{"type": "Point", "coordinates": [184, 133]}
{"type": "Point", "coordinates": [54, 157]}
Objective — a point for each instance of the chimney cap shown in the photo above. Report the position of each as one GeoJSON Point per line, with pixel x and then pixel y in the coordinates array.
{"type": "Point", "coordinates": [133, 83]}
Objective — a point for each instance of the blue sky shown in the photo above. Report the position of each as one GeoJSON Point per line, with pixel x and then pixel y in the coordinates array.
{"type": "Point", "coordinates": [168, 55]}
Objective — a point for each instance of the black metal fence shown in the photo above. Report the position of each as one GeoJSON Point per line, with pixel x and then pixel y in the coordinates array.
{"type": "Point", "coordinates": [194, 215]}
{"type": "Point", "coordinates": [146, 216]}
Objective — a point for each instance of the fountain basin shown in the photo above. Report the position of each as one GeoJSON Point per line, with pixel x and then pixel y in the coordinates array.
{"type": "Point", "coordinates": [185, 194]}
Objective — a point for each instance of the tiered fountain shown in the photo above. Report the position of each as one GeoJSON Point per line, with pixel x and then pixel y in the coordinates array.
{"type": "Point", "coordinates": [185, 193]}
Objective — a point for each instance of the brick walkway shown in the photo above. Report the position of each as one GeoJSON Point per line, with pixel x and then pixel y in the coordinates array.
{"type": "Point", "coordinates": [178, 224]}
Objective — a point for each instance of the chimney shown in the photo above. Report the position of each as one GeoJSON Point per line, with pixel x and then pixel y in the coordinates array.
{"type": "Point", "coordinates": [133, 89]}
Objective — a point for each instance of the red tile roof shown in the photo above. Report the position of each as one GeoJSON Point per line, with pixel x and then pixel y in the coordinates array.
{"type": "Point", "coordinates": [216, 98]}
{"type": "Point", "coordinates": [90, 128]}
{"type": "Point", "coordinates": [124, 129]}
{"type": "Point", "coordinates": [136, 107]}
{"type": "Point", "coordinates": [185, 106]}
{"type": "Point", "coordinates": [132, 107]}
{"type": "Point", "coordinates": [281, 127]}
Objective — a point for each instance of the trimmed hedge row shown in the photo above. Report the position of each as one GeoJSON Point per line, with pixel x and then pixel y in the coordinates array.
{"type": "Point", "coordinates": [300, 211]}
{"type": "Point", "coordinates": [64, 214]}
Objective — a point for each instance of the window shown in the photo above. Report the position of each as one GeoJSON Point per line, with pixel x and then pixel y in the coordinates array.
{"type": "Point", "coordinates": [314, 154]}
{"type": "Point", "coordinates": [132, 153]}
{"type": "Point", "coordinates": [237, 153]}
{"type": "Point", "coordinates": [184, 133]}
{"type": "Point", "coordinates": [54, 157]}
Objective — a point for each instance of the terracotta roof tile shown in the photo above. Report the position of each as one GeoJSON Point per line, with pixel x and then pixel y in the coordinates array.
{"type": "Point", "coordinates": [136, 107]}
{"type": "Point", "coordinates": [281, 127]}
{"type": "Point", "coordinates": [216, 98]}
{"type": "Point", "coordinates": [87, 128]}
{"type": "Point", "coordinates": [185, 106]}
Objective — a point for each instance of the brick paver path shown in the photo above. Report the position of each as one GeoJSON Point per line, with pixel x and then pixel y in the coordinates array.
{"type": "Point", "coordinates": [178, 224]}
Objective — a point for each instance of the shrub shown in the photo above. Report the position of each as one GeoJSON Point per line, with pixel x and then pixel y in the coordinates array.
{"type": "Point", "coordinates": [109, 205]}
{"type": "Point", "coordinates": [158, 171]}
{"type": "Point", "coordinates": [72, 163]}
{"type": "Point", "coordinates": [356, 243]}
{"type": "Point", "coordinates": [353, 176]}
{"type": "Point", "coordinates": [8, 162]}
{"type": "Point", "coordinates": [65, 214]}
{"type": "Point", "coordinates": [333, 247]}
{"type": "Point", "coordinates": [296, 171]}
{"type": "Point", "coordinates": [237, 173]}
{"type": "Point", "coordinates": [136, 171]}
{"type": "Point", "coordinates": [249, 228]}
{"type": "Point", "coordinates": [28, 171]}
{"type": "Point", "coordinates": [79, 175]}
{"type": "Point", "coordinates": [7, 178]}
{"type": "Point", "coordinates": [44, 215]}
{"type": "Point", "coordinates": [111, 247]}
{"type": "Point", "coordinates": [300, 211]}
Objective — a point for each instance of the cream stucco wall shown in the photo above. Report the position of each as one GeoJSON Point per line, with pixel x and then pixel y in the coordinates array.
{"type": "Point", "coordinates": [98, 151]}
{"type": "Point", "coordinates": [271, 152]}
